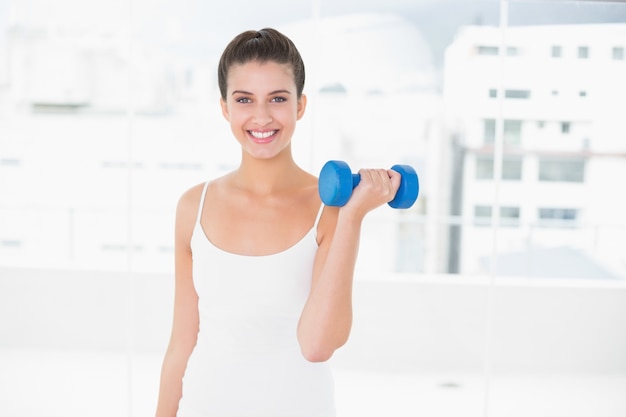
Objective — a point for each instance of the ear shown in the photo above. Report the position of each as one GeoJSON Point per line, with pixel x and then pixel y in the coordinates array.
{"type": "Point", "coordinates": [301, 107]}
{"type": "Point", "coordinates": [225, 112]}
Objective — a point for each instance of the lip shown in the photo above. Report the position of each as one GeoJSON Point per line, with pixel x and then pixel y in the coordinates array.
{"type": "Point", "coordinates": [262, 139]}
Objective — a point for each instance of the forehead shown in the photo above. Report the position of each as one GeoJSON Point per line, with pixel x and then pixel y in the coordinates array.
{"type": "Point", "coordinates": [259, 76]}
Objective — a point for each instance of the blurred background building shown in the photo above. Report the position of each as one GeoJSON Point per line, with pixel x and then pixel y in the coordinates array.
{"type": "Point", "coordinates": [562, 147]}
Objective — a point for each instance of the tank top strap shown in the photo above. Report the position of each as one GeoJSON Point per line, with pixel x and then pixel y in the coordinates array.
{"type": "Point", "coordinates": [317, 219]}
{"type": "Point", "coordinates": [201, 205]}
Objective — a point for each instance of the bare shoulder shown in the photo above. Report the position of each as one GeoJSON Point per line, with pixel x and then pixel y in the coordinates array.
{"type": "Point", "coordinates": [187, 208]}
{"type": "Point", "coordinates": [191, 197]}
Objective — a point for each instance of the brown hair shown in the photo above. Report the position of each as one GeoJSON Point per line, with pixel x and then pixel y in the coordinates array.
{"type": "Point", "coordinates": [263, 45]}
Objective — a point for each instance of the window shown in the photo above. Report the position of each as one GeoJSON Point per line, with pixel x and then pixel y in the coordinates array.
{"type": "Point", "coordinates": [512, 51]}
{"type": "Point", "coordinates": [482, 215]}
{"type": "Point", "coordinates": [557, 217]}
{"type": "Point", "coordinates": [11, 162]}
{"type": "Point", "coordinates": [512, 131]}
{"type": "Point", "coordinates": [11, 243]}
{"type": "Point", "coordinates": [558, 214]}
{"type": "Point", "coordinates": [489, 131]}
{"type": "Point", "coordinates": [484, 168]}
{"type": "Point", "coordinates": [618, 53]}
{"type": "Point", "coordinates": [494, 50]}
{"type": "Point", "coordinates": [514, 94]}
{"type": "Point", "coordinates": [566, 127]}
{"type": "Point", "coordinates": [511, 168]}
{"type": "Point", "coordinates": [582, 93]}
{"type": "Point", "coordinates": [562, 170]}
{"type": "Point", "coordinates": [509, 215]}
{"type": "Point", "coordinates": [556, 51]}
{"type": "Point", "coordinates": [517, 94]}
{"type": "Point", "coordinates": [583, 52]}
{"type": "Point", "coordinates": [487, 50]}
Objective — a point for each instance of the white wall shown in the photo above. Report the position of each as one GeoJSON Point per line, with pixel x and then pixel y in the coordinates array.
{"type": "Point", "coordinates": [412, 323]}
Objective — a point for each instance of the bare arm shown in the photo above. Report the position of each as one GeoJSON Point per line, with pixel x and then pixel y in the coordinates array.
{"type": "Point", "coordinates": [326, 319]}
{"type": "Point", "coordinates": [185, 323]}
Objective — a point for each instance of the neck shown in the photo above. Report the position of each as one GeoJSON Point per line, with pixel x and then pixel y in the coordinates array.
{"type": "Point", "coordinates": [266, 176]}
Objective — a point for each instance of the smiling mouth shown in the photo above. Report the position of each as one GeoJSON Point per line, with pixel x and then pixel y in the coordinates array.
{"type": "Point", "coordinates": [262, 136]}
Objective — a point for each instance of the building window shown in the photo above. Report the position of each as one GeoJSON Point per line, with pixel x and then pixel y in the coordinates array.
{"type": "Point", "coordinates": [487, 50]}
{"type": "Point", "coordinates": [120, 164]}
{"type": "Point", "coordinates": [583, 52]}
{"type": "Point", "coordinates": [511, 168]}
{"type": "Point", "coordinates": [618, 53]}
{"type": "Point", "coordinates": [517, 94]}
{"type": "Point", "coordinates": [512, 51]}
{"type": "Point", "coordinates": [509, 215]}
{"type": "Point", "coordinates": [562, 217]}
{"type": "Point", "coordinates": [10, 243]}
{"type": "Point", "coordinates": [10, 162]}
{"type": "Point", "coordinates": [512, 131]}
{"type": "Point", "coordinates": [556, 51]}
{"type": "Point", "coordinates": [489, 131]}
{"type": "Point", "coordinates": [482, 215]}
{"type": "Point", "coordinates": [562, 169]}
{"type": "Point", "coordinates": [494, 50]}
{"type": "Point", "coordinates": [566, 127]}
{"type": "Point", "coordinates": [484, 168]}
{"type": "Point", "coordinates": [181, 166]}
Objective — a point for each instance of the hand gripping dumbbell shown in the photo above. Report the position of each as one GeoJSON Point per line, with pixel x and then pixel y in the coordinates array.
{"type": "Point", "coordinates": [336, 182]}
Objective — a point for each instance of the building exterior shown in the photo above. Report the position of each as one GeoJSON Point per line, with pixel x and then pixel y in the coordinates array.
{"type": "Point", "coordinates": [559, 92]}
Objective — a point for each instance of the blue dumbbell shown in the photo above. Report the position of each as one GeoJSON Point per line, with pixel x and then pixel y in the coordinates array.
{"type": "Point", "coordinates": [337, 181]}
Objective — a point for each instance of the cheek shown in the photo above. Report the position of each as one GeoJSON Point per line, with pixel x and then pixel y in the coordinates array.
{"type": "Point", "coordinates": [236, 118]}
{"type": "Point", "coordinates": [290, 114]}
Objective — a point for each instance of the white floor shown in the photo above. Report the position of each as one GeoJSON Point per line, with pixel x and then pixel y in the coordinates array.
{"type": "Point", "coordinates": [64, 384]}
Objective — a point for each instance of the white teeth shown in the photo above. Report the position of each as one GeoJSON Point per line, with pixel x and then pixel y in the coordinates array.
{"type": "Point", "coordinates": [262, 135]}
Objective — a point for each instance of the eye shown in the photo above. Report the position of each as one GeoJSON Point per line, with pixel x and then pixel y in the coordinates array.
{"type": "Point", "coordinates": [243, 100]}
{"type": "Point", "coordinates": [279, 99]}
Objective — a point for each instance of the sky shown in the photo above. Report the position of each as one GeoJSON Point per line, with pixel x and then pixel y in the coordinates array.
{"type": "Point", "coordinates": [189, 26]}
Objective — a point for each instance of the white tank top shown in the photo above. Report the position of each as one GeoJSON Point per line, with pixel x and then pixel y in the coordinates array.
{"type": "Point", "coordinates": [247, 360]}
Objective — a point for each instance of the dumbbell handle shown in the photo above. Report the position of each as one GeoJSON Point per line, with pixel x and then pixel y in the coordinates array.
{"type": "Point", "coordinates": [356, 179]}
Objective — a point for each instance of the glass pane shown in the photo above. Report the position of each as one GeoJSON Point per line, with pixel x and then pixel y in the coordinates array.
{"type": "Point", "coordinates": [512, 132]}
{"type": "Point", "coordinates": [559, 259]}
{"type": "Point", "coordinates": [490, 131]}
{"type": "Point", "coordinates": [561, 170]}
{"type": "Point", "coordinates": [64, 172]}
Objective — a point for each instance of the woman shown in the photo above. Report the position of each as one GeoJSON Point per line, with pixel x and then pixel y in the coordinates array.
{"type": "Point", "coordinates": [264, 272]}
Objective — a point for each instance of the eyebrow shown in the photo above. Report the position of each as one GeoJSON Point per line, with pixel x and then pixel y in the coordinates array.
{"type": "Point", "coordinates": [251, 94]}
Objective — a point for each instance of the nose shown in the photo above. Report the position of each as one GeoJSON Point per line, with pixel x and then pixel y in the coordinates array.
{"type": "Point", "coordinates": [262, 114]}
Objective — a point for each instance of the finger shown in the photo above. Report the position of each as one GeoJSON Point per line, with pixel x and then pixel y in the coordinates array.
{"type": "Point", "coordinates": [385, 180]}
{"type": "Point", "coordinates": [395, 177]}
{"type": "Point", "coordinates": [366, 174]}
